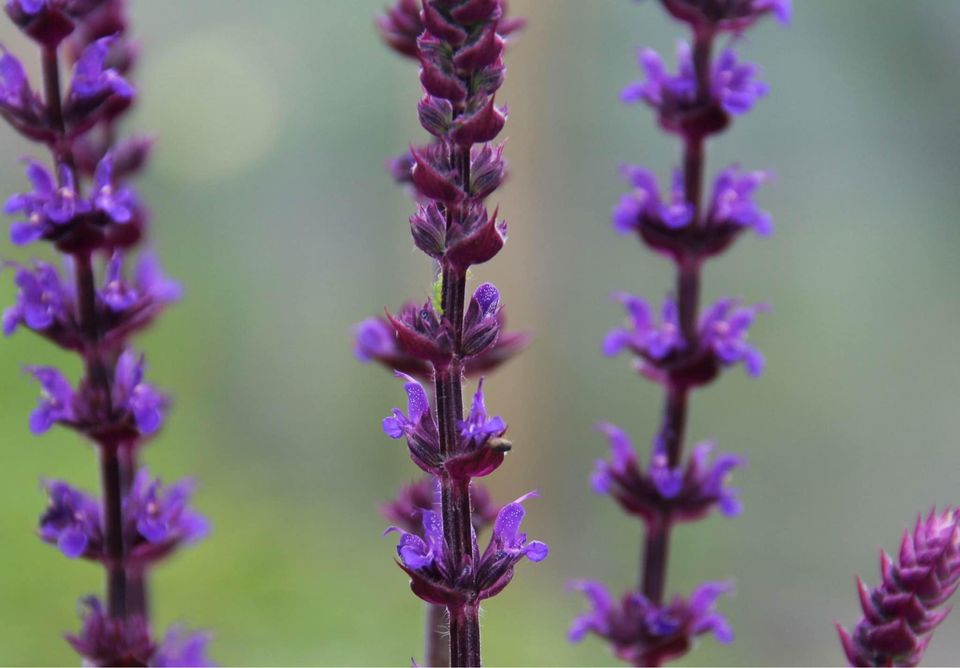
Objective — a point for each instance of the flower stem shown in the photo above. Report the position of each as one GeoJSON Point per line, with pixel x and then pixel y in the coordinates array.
{"type": "Point", "coordinates": [653, 570]}
{"type": "Point", "coordinates": [96, 369]}
{"type": "Point", "coordinates": [455, 504]}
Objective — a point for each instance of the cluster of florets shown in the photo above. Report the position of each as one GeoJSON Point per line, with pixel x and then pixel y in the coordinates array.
{"type": "Point", "coordinates": [664, 493]}
{"type": "Point", "coordinates": [104, 641]}
{"type": "Point", "coordinates": [157, 520]}
{"type": "Point", "coordinates": [437, 579]}
{"type": "Point", "coordinates": [714, 16]}
{"type": "Point", "coordinates": [645, 634]}
{"type": "Point", "coordinates": [664, 355]}
{"type": "Point", "coordinates": [900, 614]}
{"type": "Point", "coordinates": [667, 225]}
{"type": "Point", "coordinates": [480, 448]}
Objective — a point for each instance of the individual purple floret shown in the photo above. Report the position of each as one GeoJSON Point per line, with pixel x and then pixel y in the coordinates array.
{"type": "Point", "coordinates": [664, 354]}
{"type": "Point", "coordinates": [159, 519]}
{"type": "Point", "coordinates": [902, 612]}
{"type": "Point", "coordinates": [646, 634]}
{"type": "Point", "coordinates": [72, 521]}
{"type": "Point", "coordinates": [56, 402]}
{"type": "Point", "coordinates": [676, 494]}
{"type": "Point", "coordinates": [130, 392]}
{"type": "Point", "coordinates": [437, 579]}
{"type": "Point", "coordinates": [181, 647]}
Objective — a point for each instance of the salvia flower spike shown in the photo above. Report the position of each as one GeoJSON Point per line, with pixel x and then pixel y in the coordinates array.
{"type": "Point", "coordinates": [454, 335]}
{"type": "Point", "coordinates": [900, 614]}
{"type": "Point", "coordinates": [84, 206]}
{"type": "Point", "coordinates": [676, 345]}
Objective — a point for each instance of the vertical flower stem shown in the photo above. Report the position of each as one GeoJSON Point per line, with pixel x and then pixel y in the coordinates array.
{"type": "Point", "coordinates": [653, 571]}
{"type": "Point", "coordinates": [96, 370]}
{"type": "Point", "coordinates": [455, 504]}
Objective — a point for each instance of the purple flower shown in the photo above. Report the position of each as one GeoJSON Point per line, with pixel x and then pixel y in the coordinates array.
{"type": "Point", "coordinates": [72, 521]}
{"type": "Point", "coordinates": [139, 398]}
{"type": "Point", "coordinates": [727, 15]}
{"type": "Point", "coordinates": [151, 287]}
{"type": "Point", "coordinates": [423, 333]}
{"type": "Point", "coordinates": [646, 634]}
{"type": "Point", "coordinates": [400, 26]}
{"type": "Point", "coordinates": [182, 648]}
{"type": "Point", "coordinates": [645, 336]}
{"type": "Point", "coordinates": [30, 7]}
{"type": "Point", "coordinates": [644, 205]}
{"type": "Point", "coordinates": [681, 493]}
{"type": "Point", "coordinates": [733, 203]}
{"type": "Point", "coordinates": [56, 400]}
{"type": "Point", "coordinates": [721, 340]}
{"type": "Point", "coordinates": [19, 104]}
{"type": "Point", "coordinates": [477, 428]}
{"type": "Point", "coordinates": [901, 613]}
{"type": "Point", "coordinates": [92, 79]}
{"type": "Point", "coordinates": [724, 328]}
{"type": "Point", "coordinates": [42, 299]}
{"type": "Point", "coordinates": [118, 204]}
{"type": "Point", "coordinates": [437, 580]}
{"type": "Point", "coordinates": [418, 426]}
{"type": "Point", "coordinates": [47, 207]}
{"type": "Point", "coordinates": [734, 87]}
{"type": "Point", "coordinates": [159, 518]}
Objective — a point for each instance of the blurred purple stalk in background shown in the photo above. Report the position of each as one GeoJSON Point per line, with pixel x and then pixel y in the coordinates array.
{"type": "Point", "coordinates": [684, 349]}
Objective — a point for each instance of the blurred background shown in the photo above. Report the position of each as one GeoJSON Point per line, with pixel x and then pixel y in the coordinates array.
{"type": "Point", "coordinates": [272, 206]}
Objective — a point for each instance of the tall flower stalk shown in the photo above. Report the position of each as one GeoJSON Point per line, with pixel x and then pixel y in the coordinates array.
{"type": "Point", "coordinates": [83, 206]}
{"type": "Point", "coordinates": [686, 348]}
{"type": "Point", "coordinates": [459, 44]}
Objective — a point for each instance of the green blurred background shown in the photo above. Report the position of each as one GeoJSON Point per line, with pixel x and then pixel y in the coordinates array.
{"type": "Point", "coordinates": [272, 206]}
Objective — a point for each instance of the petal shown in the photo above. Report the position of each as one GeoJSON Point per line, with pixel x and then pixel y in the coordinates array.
{"type": "Point", "coordinates": [72, 542]}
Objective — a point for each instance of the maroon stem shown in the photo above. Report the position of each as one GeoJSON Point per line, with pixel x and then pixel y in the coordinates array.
{"type": "Point", "coordinates": [653, 571]}
{"type": "Point", "coordinates": [137, 601]}
{"type": "Point", "coordinates": [456, 511]}
{"type": "Point", "coordinates": [97, 372]}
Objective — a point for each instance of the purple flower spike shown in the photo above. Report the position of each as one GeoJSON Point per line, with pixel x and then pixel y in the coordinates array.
{"type": "Point", "coordinates": [677, 494]}
{"type": "Point", "coordinates": [72, 521]}
{"type": "Point", "coordinates": [645, 634]}
{"type": "Point", "coordinates": [140, 399]}
{"type": "Point", "coordinates": [56, 402]}
{"type": "Point", "coordinates": [901, 614]}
